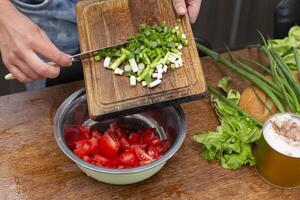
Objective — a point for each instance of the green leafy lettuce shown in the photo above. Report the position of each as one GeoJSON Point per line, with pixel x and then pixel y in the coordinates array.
{"type": "Point", "coordinates": [223, 83]}
{"type": "Point", "coordinates": [284, 47]}
{"type": "Point", "coordinates": [231, 142]}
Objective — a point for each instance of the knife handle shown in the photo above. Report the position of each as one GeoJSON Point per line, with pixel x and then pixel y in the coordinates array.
{"type": "Point", "coordinates": [10, 76]}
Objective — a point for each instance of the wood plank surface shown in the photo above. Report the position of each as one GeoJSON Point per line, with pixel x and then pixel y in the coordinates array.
{"type": "Point", "coordinates": [33, 167]}
{"type": "Point", "coordinates": [106, 22]}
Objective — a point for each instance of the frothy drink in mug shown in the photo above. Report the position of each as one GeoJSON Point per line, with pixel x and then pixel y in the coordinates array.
{"type": "Point", "coordinates": [278, 151]}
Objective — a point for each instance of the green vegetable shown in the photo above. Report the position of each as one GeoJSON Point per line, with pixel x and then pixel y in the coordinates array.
{"type": "Point", "coordinates": [118, 62]}
{"type": "Point", "coordinates": [265, 68]}
{"type": "Point", "coordinates": [223, 83]}
{"type": "Point", "coordinates": [148, 46]}
{"type": "Point", "coordinates": [236, 160]}
{"type": "Point", "coordinates": [231, 142]}
{"type": "Point", "coordinates": [254, 79]}
{"type": "Point", "coordinates": [297, 59]}
{"type": "Point", "coordinates": [97, 58]}
{"type": "Point", "coordinates": [148, 71]}
{"type": "Point", "coordinates": [252, 71]}
{"type": "Point", "coordinates": [285, 47]}
{"type": "Point", "coordinates": [232, 104]}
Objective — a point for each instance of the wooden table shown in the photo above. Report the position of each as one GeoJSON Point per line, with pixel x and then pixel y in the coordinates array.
{"type": "Point", "coordinates": [33, 167]}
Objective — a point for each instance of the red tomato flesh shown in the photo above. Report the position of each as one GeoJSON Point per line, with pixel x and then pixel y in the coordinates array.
{"type": "Point", "coordinates": [116, 147]}
{"type": "Point", "coordinates": [109, 145]}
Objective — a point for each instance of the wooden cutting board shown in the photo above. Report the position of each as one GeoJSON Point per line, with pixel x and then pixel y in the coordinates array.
{"type": "Point", "coordinates": [106, 22]}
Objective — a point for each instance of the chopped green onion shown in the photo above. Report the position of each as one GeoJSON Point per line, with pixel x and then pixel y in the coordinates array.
{"type": "Point", "coordinates": [118, 62]}
{"type": "Point", "coordinates": [97, 58]}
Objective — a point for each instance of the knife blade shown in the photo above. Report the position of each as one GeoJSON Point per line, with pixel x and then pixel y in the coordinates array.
{"type": "Point", "coordinates": [90, 54]}
{"type": "Point", "coordinates": [77, 57]}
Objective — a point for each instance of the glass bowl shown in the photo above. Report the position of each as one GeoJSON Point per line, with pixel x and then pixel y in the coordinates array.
{"type": "Point", "coordinates": [169, 122]}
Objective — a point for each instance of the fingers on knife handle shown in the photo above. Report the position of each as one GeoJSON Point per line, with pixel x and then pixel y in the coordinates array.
{"type": "Point", "coordinates": [10, 76]}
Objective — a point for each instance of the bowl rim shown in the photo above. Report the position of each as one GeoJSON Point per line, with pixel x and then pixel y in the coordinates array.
{"type": "Point", "coordinates": [80, 96]}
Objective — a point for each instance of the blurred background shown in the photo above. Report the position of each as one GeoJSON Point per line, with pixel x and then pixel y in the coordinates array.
{"type": "Point", "coordinates": [231, 22]}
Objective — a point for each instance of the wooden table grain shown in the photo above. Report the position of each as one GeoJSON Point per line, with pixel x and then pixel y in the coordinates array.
{"type": "Point", "coordinates": [33, 167]}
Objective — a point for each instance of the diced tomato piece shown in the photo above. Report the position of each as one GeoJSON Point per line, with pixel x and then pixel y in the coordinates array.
{"type": "Point", "coordinates": [87, 159]}
{"type": "Point", "coordinates": [82, 148]}
{"type": "Point", "coordinates": [86, 147]}
{"type": "Point", "coordinates": [85, 132]}
{"type": "Point", "coordinates": [100, 160]}
{"type": "Point", "coordinates": [152, 152]}
{"type": "Point", "coordinates": [152, 141]}
{"type": "Point", "coordinates": [148, 136]}
{"type": "Point", "coordinates": [71, 135]}
{"type": "Point", "coordinates": [156, 140]}
{"type": "Point", "coordinates": [163, 147]}
{"type": "Point", "coordinates": [148, 133]}
{"type": "Point", "coordinates": [123, 166]}
{"type": "Point", "coordinates": [133, 138]}
{"type": "Point", "coordinates": [128, 158]}
{"type": "Point", "coordinates": [124, 144]}
{"type": "Point", "coordinates": [96, 134]}
{"type": "Point", "coordinates": [113, 163]}
{"type": "Point", "coordinates": [94, 145]}
{"type": "Point", "coordinates": [141, 154]}
{"type": "Point", "coordinates": [109, 145]}
{"type": "Point", "coordinates": [80, 152]}
{"type": "Point", "coordinates": [120, 133]}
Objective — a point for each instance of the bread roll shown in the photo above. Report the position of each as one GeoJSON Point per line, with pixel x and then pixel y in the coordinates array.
{"type": "Point", "coordinates": [254, 102]}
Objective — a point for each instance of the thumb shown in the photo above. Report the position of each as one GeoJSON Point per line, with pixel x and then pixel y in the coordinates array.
{"type": "Point", "coordinates": [180, 7]}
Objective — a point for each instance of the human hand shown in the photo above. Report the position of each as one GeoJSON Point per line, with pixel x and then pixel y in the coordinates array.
{"type": "Point", "coordinates": [191, 7]}
{"type": "Point", "coordinates": [20, 42]}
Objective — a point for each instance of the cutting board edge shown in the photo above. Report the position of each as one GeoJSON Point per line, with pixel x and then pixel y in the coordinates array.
{"type": "Point", "coordinates": [144, 108]}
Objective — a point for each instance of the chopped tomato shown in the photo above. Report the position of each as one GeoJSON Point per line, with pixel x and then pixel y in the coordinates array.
{"type": "Point", "coordinates": [100, 160]}
{"type": "Point", "coordinates": [94, 145]}
{"type": "Point", "coordinates": [87, 159]}
{"type": "Point", "coordinates": [128, 158]}
{"type": "Point", "coordinates": [133, 138]}
{"type": "Point", "coordinates": [156, 140]}
{"type": "Point", "coordinates": [116, 148]}
{"type": "Point", "coordinates": [120, 133]}
{"type": "Point", "coordinates": [152, 152]}
{"type": "Point", "coordinates": [163, 147]}
{"type": "Point", "coordinates": [85, 132]}
{"type": "Point", "coordinates": [141, 154]}
{"type": "Point", "coordinates": [71, 135]}
{"type": "Point", "coordinates": [123, 166]}
{"type": "Point", "coordinates": [86, 147]}
{"type": "Point", "coordinates": [82, 148]}
{"type": "Point", "coordinates": [96, 134]}
{"type": "Point", "coordinates": [146, 137]}
{"type": "Point", "coordinates": [124, 144]}
{"type": "Point", "coordinates": [109, 145]}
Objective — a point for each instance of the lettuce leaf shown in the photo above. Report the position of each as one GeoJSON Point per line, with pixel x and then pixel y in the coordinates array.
{"type": "Point", "coordinates": [231, 142]}
{"type": "Point", "coordinates": [284, 47]}
{"type": "Point", "coordinates": [223, 83]}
